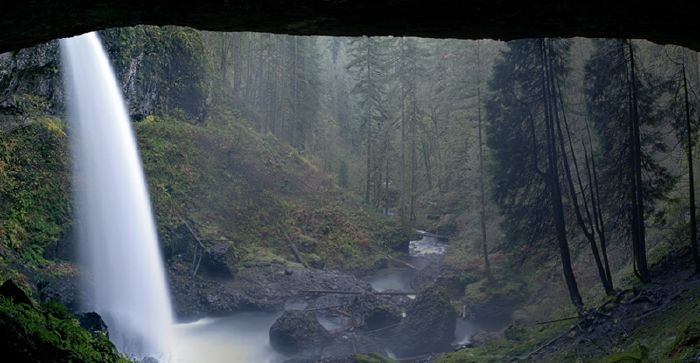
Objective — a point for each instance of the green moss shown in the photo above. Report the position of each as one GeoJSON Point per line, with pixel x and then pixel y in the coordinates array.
{"type": "Point", "coordinates": [672, 335]}
{"type": "Point", "coordinates": [50, 333]}
{"type": "Point", "coordinates": [504, 289]}
{"type": "Point", "coordinates": [169, 59]}
{"type": "Point", "coordinates": [372, 358]}
{"type": "Point", "coordinates": [34, 186]}
{"type": "Point", "coordinates": [637, 354]}
{"type": "Point", "coordinates": [526, 340]}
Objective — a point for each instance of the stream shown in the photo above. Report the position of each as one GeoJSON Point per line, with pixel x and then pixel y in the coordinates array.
{"type": "Point", "coordinates": [423, 253]}
{"type": "Point", "coordinates": [244, 337]}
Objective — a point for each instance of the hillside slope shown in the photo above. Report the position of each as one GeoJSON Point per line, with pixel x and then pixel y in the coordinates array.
{"type": "Point", "coordinates": [231, 184]}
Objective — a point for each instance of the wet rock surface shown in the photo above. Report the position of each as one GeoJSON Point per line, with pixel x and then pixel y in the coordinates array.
{"type": "Point", "coordinates": [431, 312]}
{"type": "Point", "coordinates": [92, 322]}
{"type": "Point", "coordinates": [13, 292]}
{"type": "Point", "coordinates": [371, 312]}
{"type": "Point", "coordinates": [298, 331]}
{"type": "Point", "coordinates": [266, 288]}
{"type": "Point", "coordinates": [219, 261]}
{"type": "Point", "coordinates": [62, 289]}
{"type": "Point", "coordinates": [483, 337]}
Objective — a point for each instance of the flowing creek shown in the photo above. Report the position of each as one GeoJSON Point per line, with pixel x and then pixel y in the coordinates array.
{"type": "Point", "coordinates": [423, 253]}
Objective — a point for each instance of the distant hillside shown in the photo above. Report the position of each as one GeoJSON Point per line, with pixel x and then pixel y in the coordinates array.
{"type": "Point", "coordinates": [227, 182]}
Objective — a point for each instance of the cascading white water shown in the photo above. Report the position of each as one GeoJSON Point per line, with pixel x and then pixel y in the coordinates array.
{"type": "Point", "coordinates": [118, 240]}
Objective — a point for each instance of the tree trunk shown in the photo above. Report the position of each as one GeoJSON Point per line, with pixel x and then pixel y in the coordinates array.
{"type": "Point", "coordinates": [555, 190]}
{"type": "Point", "coordinates": [413, 169]}
{"type": "Point", "coordinates": [588, 231]}
{"type": "Point", "coordinates": [402, 168]}
{"type": "Point", "coordinates": [237, 63]}
{"type": "Point", "coordinates": [639, 239]}
{"type": "Point", "coordinates": [386, 187]}
{"type": "Point", "coordinates": [249, 68]}
{"type": "Point", "coordinates": [691, 178]}
{"type": "Point", "coordinates": [368, 125]}
{"type": "Point", "coordinates": [482, 198]}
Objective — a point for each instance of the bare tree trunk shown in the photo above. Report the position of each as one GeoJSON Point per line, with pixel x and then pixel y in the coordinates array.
{"type": "Point", "coordinates": [482, 198]}
{"type": "Point", "coordinates": [413, 169]}
{"type": "Point", "coordinates": [237, 63]}
{"type": "Point", "coordinates": [223, 53]}
{"type": "Point", "coordinates": [368, 125]}
{"type": "Point", "coordinates": [638, 205]}
{"type": "Point", "coordinates": [588, 231]}
{"type": "Point", "coordinates": [249, 68]}
{"type": "Point", "coordinates": [426, 161]}
{"type": "Point", "coordinates": [402, 186]}
{"type": "Point", "coordinates": [691, 177]}
{"type": "Point", "coordinates": [386, 187]}
{"type": "Point", "coordinates": [555, 189]}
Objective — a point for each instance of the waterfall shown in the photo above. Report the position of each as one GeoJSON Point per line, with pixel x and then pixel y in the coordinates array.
{"type": "Point", "coordinates": [119, 252]}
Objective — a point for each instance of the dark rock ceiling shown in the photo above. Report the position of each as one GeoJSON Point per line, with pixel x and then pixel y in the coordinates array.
{"type": "Point", "coordinates": [28, 22]}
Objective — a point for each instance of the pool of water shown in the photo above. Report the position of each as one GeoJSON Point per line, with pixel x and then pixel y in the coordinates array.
{"type": "Point", "coordinates": [242, 337]}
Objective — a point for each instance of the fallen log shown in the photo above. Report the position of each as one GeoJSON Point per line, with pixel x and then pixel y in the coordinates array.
{"type": "Point", "coordinates": [433, 235]}
{"type": "Point", "coordinates": [402, 262]}
{"type": "Point", "coordinates": [343, 292]}
{"type": "Point", "coordinates": [294, 249]}
{"type": "Point", "coordinates": [556, 320]}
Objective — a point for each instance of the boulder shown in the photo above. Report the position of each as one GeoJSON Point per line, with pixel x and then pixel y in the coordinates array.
{"type": "Point", "coordinates": [64, 289]}
{"type": "Point", "coordinates": [92, 322]}
{"type": "Point", "coordinates": [307, 244]}
{"type": "Point", "coordinates": [298, 332]}
{"type": "Point", "coordinates": [429, 325]}
{"type": "Point", "coordinates": [371, 312]}
{"type": "Point", "coordinates": [13, 292]}
{"type": "Point", "coordinates": [349, 344]}
{"type": "Point", "coordinates": [315, 261]}
{"type": "Point", "coordinates": [522, 317]}
{"type": "Point", "coordinates": [220, 261]}
{"type": "Point", "coordinates": [483, 337]}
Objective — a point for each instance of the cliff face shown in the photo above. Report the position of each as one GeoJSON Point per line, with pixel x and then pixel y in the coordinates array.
{"type": "Point", "coordinates": [161, 70]}
{"type": "Point", "coordinates": [30, 80]}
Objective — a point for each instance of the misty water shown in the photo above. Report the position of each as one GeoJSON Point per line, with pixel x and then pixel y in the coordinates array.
{"type": "Point", "coordinates": [240, 337]}
{"type": "Point", "coordinates": [119, 249]}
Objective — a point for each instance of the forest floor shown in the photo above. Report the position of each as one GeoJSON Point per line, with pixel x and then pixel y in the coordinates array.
{"type": "Point", "coordinates": [655, 322]}
{"type": "Point", "coordinates": [659, 321]}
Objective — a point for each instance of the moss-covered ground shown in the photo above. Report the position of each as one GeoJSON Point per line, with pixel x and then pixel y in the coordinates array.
{"type": "Point", "coordinates": [50, 333]}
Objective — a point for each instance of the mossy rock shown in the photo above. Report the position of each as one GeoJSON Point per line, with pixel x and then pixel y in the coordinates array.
{"type": "Point", "coordinates": [50, 334]}
{"type": "Point", "coordinates": [394, 235]}
{"type": "Point", "coordinates": [372, 358]}
{"type": "Point", "coordinates": [637, 354]}
{"type": "Point", "coordinates": [307, 244]}
{"type": "Point", "coordinates": [688, 342]}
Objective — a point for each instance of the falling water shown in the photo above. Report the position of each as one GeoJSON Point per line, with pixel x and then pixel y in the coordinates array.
{"type": "Point", "coordinates": [119, 245]}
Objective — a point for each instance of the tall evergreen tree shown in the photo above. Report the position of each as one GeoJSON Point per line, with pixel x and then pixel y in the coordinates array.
{"type": "Point", "coordinates": [522, 123]}
{"type": "Point", "coordinates": [368, 62]}
{"type": "Point", "coordinates": [622, 103]}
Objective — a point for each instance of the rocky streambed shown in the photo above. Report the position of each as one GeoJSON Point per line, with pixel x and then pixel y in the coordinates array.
{"type": "Point", "coordinates": [317, 315]}
{"type": "Point", "coordinates": [274, 313]}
